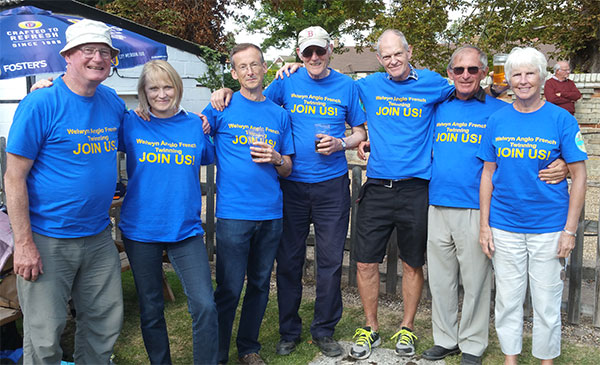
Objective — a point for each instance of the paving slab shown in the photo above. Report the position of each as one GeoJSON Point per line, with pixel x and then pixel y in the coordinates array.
{"type": "Point", "coordinates": [378, 356]}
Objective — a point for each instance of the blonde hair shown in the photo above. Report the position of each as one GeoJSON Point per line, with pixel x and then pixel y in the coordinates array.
{"type": "Point", "coordinates": [154, 70]}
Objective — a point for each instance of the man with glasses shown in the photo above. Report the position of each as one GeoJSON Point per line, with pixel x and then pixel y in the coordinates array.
{"type": "Point", "coordinates": [60, 181]}
{"type": "Point", "coordinates": [320, 102]}
{"type": "Point", "coordinates": [453, 220]}
{"type": "Point", "coordinates": [253, 142]}
{"type": "Point", "coordinates": [560, 90]}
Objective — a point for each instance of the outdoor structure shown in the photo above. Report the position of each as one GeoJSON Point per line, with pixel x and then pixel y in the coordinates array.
{"type": "Point", "coordinates": [186, 58]}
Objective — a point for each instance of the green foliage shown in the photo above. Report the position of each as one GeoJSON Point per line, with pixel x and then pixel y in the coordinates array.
{"type": "Point", "coordinates": [196, 21]}
{"type": "Point", "coordinates": [572, 26]}
{"type": "Point", "coordinates": [213, 78]}
{"type": "Point", "coordinates": [282, 21]}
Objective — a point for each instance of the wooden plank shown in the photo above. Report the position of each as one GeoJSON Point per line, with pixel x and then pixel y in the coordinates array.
{"type": "Point", "coordinates": [8, 315]}
{"type": "Point", "coordinates": [590, 227]}
{"type": "Point", "coordinates": [210, 211]}
{"type": "Point", "coordinates": [167, 291]}
{"type": "Point", "coordinates": [355, 185]}
{"type": "Point", "coordinates": [124, 262]}
{"type": "Point", "coordinates": [575, 275]}
{"type": "Point", "coordinates": [391, 273]}
{"type": "Point", "coordinates": [596, 319]}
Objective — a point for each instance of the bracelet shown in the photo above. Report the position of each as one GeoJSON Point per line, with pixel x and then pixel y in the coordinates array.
{"type": "Point", "coordinates": [573, 234]}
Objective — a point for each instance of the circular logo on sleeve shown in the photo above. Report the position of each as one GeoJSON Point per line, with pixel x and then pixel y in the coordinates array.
{"type": "Point", "coordinates": [579, 142]}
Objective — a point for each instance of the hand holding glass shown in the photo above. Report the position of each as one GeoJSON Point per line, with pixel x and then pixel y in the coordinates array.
{"type": "Point", "coordinates": [321, 131]}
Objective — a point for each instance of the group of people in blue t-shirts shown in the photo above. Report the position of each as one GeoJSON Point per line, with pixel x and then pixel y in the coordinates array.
{"type": "Point", "coordinates": [493, 195]}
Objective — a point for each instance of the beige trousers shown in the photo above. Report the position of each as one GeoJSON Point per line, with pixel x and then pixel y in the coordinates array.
{"type": "Point", "coordinates": [454, 257]}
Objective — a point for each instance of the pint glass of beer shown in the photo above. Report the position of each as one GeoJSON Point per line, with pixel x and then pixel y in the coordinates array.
{"type": "Point", "coordinates": [499, 77]}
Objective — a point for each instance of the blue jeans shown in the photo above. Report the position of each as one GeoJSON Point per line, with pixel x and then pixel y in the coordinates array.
{"type": "Point", "coordinates": [244, 248]}
{"type": "Point", "coordinates": [190, 262]}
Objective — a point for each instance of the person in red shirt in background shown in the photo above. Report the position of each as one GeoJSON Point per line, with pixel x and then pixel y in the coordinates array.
{"type": "Point", "coordinates": [560, 90]}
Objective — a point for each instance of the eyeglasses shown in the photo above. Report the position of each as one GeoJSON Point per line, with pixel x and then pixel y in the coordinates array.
{"type": "Point", "coordinates": [307, 53]}
{"type": "Point", "coordinates": [473, 70]}
{"type": "Point", "coordinates": [89, 52]}
{"type": "Point", "coordinates": [244, 67]}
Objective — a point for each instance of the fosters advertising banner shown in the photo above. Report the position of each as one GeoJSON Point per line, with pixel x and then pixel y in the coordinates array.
{"type": "Point", "coordinates": [31, 38]}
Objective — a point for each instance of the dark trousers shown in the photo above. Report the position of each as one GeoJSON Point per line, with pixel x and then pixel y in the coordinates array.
{"type": "Point", "coordinates": [327, 205]}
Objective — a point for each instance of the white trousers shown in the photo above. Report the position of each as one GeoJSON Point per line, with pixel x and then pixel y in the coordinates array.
{"type": "Point", "coordinates": [453, 251]}
{"type": "Point", "coordinates": [516, 256]}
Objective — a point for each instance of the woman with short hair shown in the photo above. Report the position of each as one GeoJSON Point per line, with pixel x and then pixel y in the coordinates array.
{"type": "Point", "coordinates": [162, 211]}
{"type": "Point", "coordinates": [527, 224]}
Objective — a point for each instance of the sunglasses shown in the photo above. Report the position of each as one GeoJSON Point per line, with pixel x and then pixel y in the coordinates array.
{"type": "Point", "coordinates": [307, 53]}
{"type": "Point", "coordinates": [473, 70]}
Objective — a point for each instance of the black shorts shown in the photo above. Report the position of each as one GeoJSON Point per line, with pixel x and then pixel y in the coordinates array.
{"type": "Point", "coordinates": [385, 205]}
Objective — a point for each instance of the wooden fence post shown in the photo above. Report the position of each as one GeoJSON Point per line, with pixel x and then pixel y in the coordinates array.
{"type": "Point", "coordinates": [391, 271]}
{"type": "Point", "coordinates": [355, 186]}
{"type": "Point", "coordinates": [596, 321]}
{"type": "Point", "coordinates": [575, 274]}
{"type": "Point", "coordinates": [210, 211]}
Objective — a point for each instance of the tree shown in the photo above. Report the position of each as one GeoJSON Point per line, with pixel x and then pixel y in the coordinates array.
{"type": "Point", "coordinates": [282, 20]}
{"type": "Point", "coordinates": [199, 21]}
{"type": "Point", "coordinates": [572, 26]}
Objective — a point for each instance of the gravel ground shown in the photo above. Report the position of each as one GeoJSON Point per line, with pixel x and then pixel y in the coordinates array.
{"type": "Point", "coordinates": [582, 334]}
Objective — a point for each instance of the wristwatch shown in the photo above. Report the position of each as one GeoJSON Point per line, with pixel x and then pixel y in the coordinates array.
{"type": "Point", "coordinates": [344, 145]}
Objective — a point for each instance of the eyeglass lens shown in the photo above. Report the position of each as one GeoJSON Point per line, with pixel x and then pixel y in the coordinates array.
{"type": "Point", "coordinates": [473, 70]}
{"type": "Point", "coordinates": [309, 51]}
{"type": "Point", "coordinates": [89, 52]}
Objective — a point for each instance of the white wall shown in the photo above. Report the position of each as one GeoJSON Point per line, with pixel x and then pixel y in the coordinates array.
{"type": "Point", "coordinates": [188, 65]}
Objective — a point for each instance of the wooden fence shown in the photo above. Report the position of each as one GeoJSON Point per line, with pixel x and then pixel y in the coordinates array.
{"type": "Point", "coordinates": [390, 274]}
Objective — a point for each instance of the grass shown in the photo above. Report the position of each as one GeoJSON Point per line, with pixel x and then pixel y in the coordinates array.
{"type": "Point", "coordinates": [130, 348]}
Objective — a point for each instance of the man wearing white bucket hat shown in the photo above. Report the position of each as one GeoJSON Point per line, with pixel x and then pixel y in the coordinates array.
{"type": "Point", "coordinates": [60, 181]}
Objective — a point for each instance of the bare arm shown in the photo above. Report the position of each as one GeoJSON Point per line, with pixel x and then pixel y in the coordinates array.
{"type": "Point", "coordinates": [556, 172]}
{"type": "Point", "coordinates": [485, 198]}
{"type": "Point", "coordinates": [566, 242]}
{"type": "Point", "coordinates": [329, 144]}
{"type": "Point", "coordinates": [288, 69]}
{"type": "Point", "coordinates": [221, 98]}
{"type": "Point", "coordinates": [40, 84]}
{"type": "Point", "coordinates": [263, 153]}
{"type": "Point", "coordinates": [27, 260]}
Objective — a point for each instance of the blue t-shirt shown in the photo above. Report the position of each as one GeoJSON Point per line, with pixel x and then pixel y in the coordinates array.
{"type": "Point", "coordinates": [163, 201]}
{"type": "Point", "coordinates": [247, 190]}
{"type": "Point", "coordinates": [332, 100]}
{"type": "Point", "coordinates": [72, 141]}
{"type": "Point", "coordinates": [521, 144]}
{"type": "Point", "coordinates": [400, 115]}
{"type": "Point", "coordinates": [456, 170]}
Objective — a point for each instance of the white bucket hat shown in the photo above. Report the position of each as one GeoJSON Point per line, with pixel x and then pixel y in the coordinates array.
{"type": "Point", "coordinates": [313, 36]}
{"type": "Point", "coordinates": [88, 31]}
